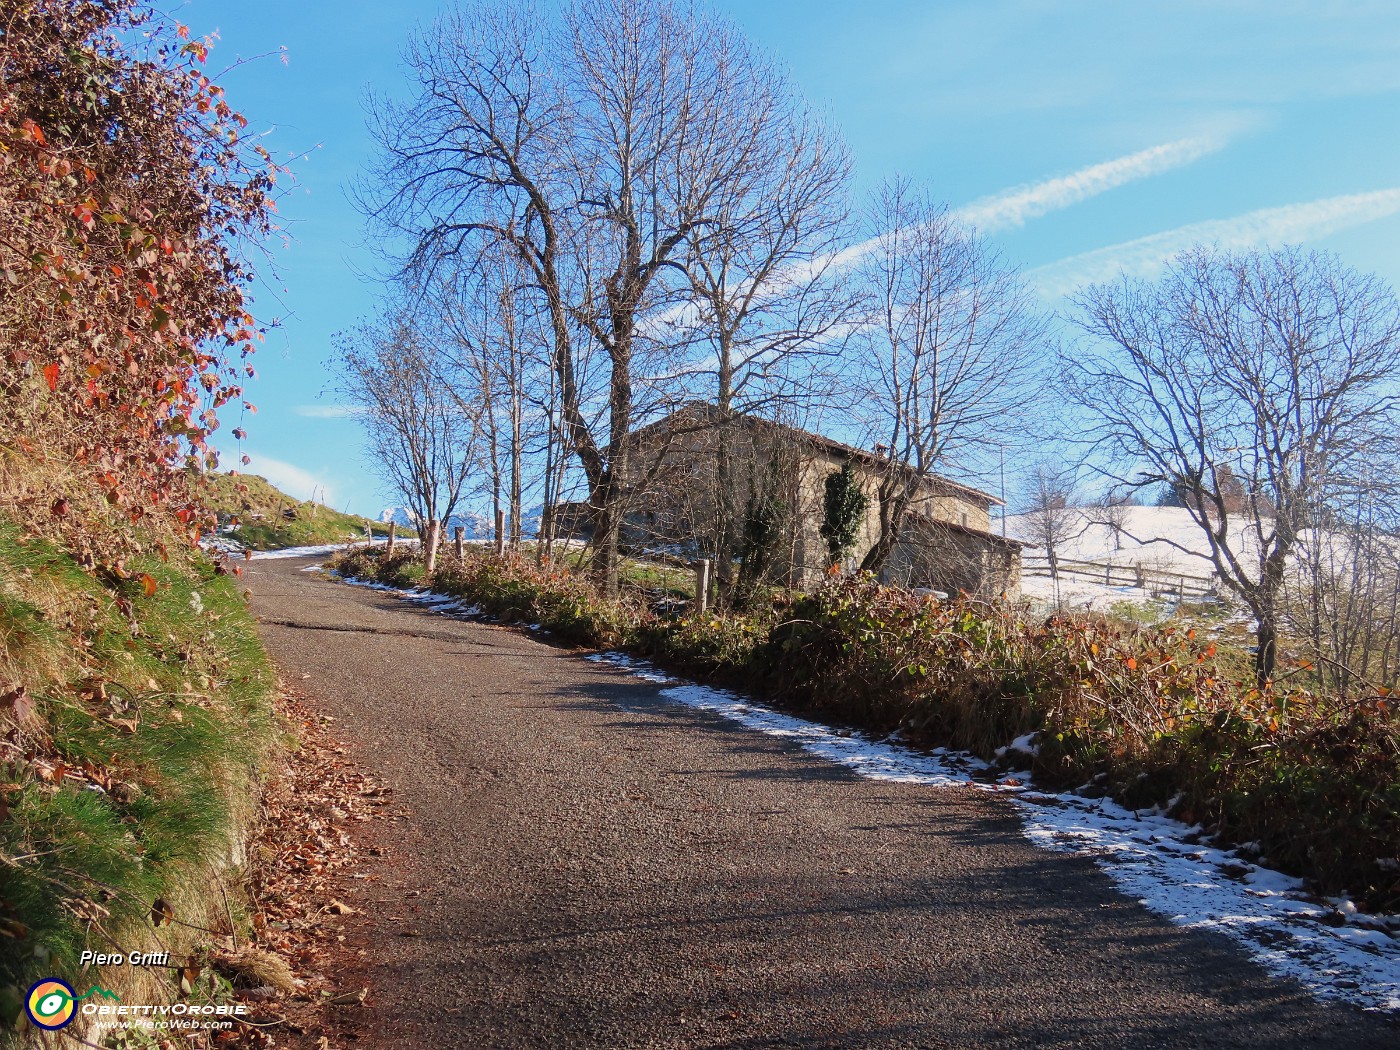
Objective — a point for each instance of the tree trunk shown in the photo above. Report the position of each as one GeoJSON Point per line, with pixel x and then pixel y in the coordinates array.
{"type": "Point", "coordinates": [515, 471]}
{"type": "Point", "coordinates": [430, 542]}
{"type": "Point", "coordinates": [1265, 658]}
{"type": "Point", "coordinates": [893, 506]}
{"type": "Point", "coordinates": [724, 509]}
{"type": "Point", "coordinates": [607, 535]}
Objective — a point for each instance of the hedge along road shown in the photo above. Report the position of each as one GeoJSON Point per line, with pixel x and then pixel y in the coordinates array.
{"type": "Point", "coordinates": [587, 865]}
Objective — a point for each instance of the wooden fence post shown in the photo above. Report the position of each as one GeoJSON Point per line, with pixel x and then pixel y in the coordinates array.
{"type": "Point", "coordinates": [500, 533]}
{"type": "Point", "coordinates": [430, 563]}
{"type": "Point", "coordinates": [389, 547]}
{"type": "Point", "coordinates": [458, 535]}
{"type": "Point", "coordinates": [702, 585]}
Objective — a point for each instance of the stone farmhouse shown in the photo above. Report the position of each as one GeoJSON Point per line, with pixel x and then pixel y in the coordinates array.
{"type": "Point", "coordinates": [947, 543]}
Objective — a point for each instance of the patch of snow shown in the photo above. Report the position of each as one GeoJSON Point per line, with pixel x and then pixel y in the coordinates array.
{"type": "Point", "coordinates": [882, 761]}
{"type": "Point", "coordinates": [445, 604]}
{"type": "Point", "coordinates": [322, 548]}
{"type": "Point", "coordinates": [1022, 745]}
{"type": "Point", "coordinates": [300, 552]}
{"type": "Point", "coordinates": [221, 545]}
{"type": "Point", "coordinates": [1154, 859]}
{"type": "Point", "coordinates": [1328, 947]}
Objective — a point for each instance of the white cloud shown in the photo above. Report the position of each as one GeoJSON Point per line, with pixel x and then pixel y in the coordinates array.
{"type": "Point", "coordinates": [291, 479]}
{"type": "Point", "coordinates": [1146, 256]}
{"type": "Point", "coordinates": [327, 411]}
{"type": "Point", "coordinates": [1012, 208]}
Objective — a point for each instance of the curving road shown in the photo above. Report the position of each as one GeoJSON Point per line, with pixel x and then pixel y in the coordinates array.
{"type": "Point", "coordinates": [586, 866]}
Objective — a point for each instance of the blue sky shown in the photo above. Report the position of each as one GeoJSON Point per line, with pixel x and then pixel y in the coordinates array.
{"type": "Point", "coordinates": [1084, 138]}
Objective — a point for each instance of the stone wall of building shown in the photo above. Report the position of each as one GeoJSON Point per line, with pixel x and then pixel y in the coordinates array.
{"type": "Point", "coordinates": [674, 474]}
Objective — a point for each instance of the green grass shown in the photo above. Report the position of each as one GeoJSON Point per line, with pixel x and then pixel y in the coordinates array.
{"type": "Point", "coordinates": [136, 769]}
{"type": "Point", "coordinates": [257, 507]}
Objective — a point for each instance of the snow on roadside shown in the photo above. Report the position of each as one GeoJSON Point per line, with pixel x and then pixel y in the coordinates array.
{"type": "Point", "coordinates": [1328, 947]}
{"type": "Point", "coordinates": [1152, 858]}
{"type": "Point", "coordinates": [321, 548]}
{"type": "Point", "coordinates": [444, 604]}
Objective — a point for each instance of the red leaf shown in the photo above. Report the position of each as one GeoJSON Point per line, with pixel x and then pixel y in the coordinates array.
{"type": "Point", "coordinates": [148, 584]}
{"type": "Point", "coordinates": [17, 699]}
{"type": "Point", "coordinates": [51, 374]}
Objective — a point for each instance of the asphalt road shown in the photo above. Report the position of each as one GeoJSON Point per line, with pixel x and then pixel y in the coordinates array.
{"type": "Point", "coordinates": [585, 865]}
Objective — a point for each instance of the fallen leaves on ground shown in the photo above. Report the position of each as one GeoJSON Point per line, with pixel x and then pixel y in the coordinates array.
{"type": "Point", "coordinates": [305, 849]}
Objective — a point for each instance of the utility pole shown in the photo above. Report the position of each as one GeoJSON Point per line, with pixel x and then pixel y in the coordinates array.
{"type": "Point", "coordinates": [1002, 450]}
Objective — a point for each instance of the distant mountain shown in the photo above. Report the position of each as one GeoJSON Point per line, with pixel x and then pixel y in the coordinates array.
{"type": "Point", "coordinates": [477, 525]}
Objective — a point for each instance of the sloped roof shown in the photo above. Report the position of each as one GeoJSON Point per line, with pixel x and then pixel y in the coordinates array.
{"type": "Point", "coordinates": [704, 409]}
{"type": "Point", "coordinates": [995, 539]}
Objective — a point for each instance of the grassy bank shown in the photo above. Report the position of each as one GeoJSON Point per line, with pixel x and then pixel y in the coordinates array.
{"type": "Point", "coordinates": [1154, 715]}
{"type": "Point", "coordinates": [135, 716]}
{"type": "Point", "coordinates": [265, 518]}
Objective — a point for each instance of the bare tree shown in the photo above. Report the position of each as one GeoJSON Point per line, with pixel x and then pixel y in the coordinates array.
{"type": "Point", "coordinates": [1260, 387]}
{"type": "Point", "coordinates": [1343, 594]}
{"type": "Point", "coordinates": [419, 436]}
{"type": "Point", "coordinates": [951, 345]}
{"type": "Point", "coordinates": [499, 357]}
{"type": "Point", "coordinates": [1113, 511]}
{"type": "Point", "coordinates": [592, 146]}
{"type": "Point", "coordinates": [767, 311]}
{"type": "Point", "coordinates": [1050, 514]}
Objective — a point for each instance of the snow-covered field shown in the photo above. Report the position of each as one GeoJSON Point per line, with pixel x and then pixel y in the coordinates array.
{"type": "Point", "coordinates": [1158, 527]}
{"type": "Point", "coordinates": [1151, 537]}
{"type": "Point", "coordinates": [1326, 945]}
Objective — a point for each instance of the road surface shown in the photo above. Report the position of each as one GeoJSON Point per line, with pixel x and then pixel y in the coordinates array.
{"type": "Point", "coordinates": [587, 866]}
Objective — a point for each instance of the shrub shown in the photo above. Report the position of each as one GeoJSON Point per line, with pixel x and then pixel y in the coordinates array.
{"type": "Point", "coordinates": [127, 198]}
{"type": "Point", "coordinates": [1155, 715]}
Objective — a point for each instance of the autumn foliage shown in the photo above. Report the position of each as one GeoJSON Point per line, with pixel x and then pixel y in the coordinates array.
{"type": "Point", "coordinates": [128, 199]}
{"type": "Point", "coordinates": [1158, 717]}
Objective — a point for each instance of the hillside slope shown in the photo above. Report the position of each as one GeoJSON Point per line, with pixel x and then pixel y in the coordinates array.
{"type": "Point", "coordinates": [1151, 538]}
{"type": "Point", "coordinates": [135, 706]}
{"type": "Point", "coordinates": [256, 514]}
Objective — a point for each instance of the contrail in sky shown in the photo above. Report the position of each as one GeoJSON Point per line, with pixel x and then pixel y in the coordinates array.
{"type": "Point", "coordinates": [1016, 206]}
{"type": "Point", "coordinates": [1012, 208]}
{"type": "Point", "coordinates": [1146, 256]}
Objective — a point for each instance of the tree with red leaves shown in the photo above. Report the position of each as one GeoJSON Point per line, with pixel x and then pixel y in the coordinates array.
{"type": "Point", "coordinates": [129, 201]}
